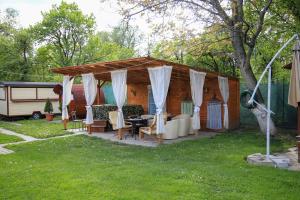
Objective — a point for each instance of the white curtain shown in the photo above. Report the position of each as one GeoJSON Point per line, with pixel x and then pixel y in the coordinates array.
{"type": "Point", "coordinates": [197, 81]}
{"type": "Point", "coordinates": [119, 86]}
{"type": "Point", "coordinates": [224, 89]}
{"type": "Point", "coordinates": [90, 92]}
{"type": "Point", "coordinates": [67, 96]}
{"type": "Point", "coordinates": [160, 80]}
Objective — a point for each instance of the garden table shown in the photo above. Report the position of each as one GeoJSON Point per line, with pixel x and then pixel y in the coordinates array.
{"type": "Point", "coordinates": [136, 124]}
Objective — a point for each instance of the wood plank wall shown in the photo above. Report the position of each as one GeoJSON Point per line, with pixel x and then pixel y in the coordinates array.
{"type": "Point", "coordinates": [180, 90]}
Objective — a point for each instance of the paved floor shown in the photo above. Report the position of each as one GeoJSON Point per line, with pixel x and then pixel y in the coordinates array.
{"type": "Point", "coordinates": [292, 154]}
{"type": "Point", "coordinates": [148, 141]}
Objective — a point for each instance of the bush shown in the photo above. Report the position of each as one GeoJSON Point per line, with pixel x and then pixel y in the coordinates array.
{"type": "Point", "coordinates": [48, 107]}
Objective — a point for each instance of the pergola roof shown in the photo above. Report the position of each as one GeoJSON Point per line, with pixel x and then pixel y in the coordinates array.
{"type": "Point", "coordinates": [136, 67]}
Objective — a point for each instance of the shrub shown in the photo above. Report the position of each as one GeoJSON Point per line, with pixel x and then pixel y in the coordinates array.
{"type": "Point", "coordinates": [48, 107]}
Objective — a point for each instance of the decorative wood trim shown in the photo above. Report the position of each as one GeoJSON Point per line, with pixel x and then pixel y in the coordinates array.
{"type": "Point", "coordinates": [31, 100]}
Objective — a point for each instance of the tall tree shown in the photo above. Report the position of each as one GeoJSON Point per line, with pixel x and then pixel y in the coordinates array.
{"type": "Point", "coordinates": [67, 29]}
{"type": "Point", "coordinates": [16, 48]}
{"type": "Point", "coordinates": [126, 36]}
{"type": "Point", "coordinates": [244, 28]}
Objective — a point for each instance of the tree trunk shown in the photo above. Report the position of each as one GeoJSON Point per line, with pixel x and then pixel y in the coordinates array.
{"type": "Point", "coordinates": [248, 75]}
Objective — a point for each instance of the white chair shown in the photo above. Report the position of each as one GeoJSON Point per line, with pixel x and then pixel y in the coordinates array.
{"type": "Point", "coordinates": [171, 129]}
{"type": "Point", "coordinates": [151, 130]}
{"type": "Point", "coordinates": [184, 121]}
{"type": "Point", "coordinates": [113, 115]}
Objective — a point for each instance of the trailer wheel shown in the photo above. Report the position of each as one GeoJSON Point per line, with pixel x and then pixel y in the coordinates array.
{"type": "Point", "coordinates": [36, 115]}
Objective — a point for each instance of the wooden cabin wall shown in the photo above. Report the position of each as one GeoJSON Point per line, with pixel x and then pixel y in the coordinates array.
{"type": "Point", "coordinates": [138, 94]}
{"type": "Point", "coordinates": [180, 91]}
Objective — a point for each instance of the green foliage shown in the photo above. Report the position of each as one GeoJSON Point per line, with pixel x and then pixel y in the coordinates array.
{"type": "Point", "coordinates": [99, 49]}
{"type": "Point", "coordinates": [67, 29]}
{"type": "Point", "coordinates": [65, 36]}
{"type": "Point", "coordinates": [16, 48]}
{"type": "Point", "coordinates": [211, 50]}
{"type": "Point", "coordinates": [48, 106]}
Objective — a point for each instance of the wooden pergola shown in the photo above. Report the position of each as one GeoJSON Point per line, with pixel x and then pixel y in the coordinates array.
{"type": "Point", "coordinates": [136, 67]}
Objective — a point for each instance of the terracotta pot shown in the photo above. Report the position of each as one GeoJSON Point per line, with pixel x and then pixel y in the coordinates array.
{"type": "Point", "coordinates": [49, 117]}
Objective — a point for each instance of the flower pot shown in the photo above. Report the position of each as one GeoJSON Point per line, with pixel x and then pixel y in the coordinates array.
{"type": "Point", "coordinates": [49, 117]}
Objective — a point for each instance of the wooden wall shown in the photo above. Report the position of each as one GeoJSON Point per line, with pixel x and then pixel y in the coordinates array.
{"type": "Point", "coordinates": [180, 90]}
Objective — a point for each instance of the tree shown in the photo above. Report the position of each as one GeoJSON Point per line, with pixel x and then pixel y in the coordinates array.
{"type": "Point", "coordinates": [243, 20]}
{"type": "Point", "coordinates": [16, 48]}
{"type": "Point", "coordinates": [125, 35]}
{"type": "Point", "coordinates": [100, 48]}
{"type": "Point", "coordinates": [24, 46]}
{"type": "Point", "coordinates": [67, 29]}
{"type": "Point", "coordinates": [201, 51]}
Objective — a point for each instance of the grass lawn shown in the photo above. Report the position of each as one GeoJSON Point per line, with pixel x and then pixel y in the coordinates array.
{"type": "Point", "coordinates": [36, 128]}
{"type": "Point", "coordinates": [8, 138]}
{"type": "Point", "coordinates": [81, 167]}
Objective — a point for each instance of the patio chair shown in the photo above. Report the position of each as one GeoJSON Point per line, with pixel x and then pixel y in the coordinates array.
{"type": "Point", "coordinates": [184, 121]}
{"type": "Point", "coordinates": [151, 130]}
{"type": "Point", "coordinates": [76, 121]}
{"type": "Point", "coordinates": [113, 121]}
{"type": "Point", "coordinates": [149, 118]}
{"type": "Point", "coordinates": [171, 129]}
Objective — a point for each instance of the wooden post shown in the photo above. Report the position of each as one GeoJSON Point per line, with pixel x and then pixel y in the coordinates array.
{"type": "Point", "coordinates": [65, 124]}
{"type": "Point", "coordinates": [89, 129]}
{"type": "Point", "coordinates": [98, 92]}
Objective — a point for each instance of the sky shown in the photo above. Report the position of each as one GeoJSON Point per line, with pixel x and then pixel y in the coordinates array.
{"type": "Point", "coordinates": [106, 13]}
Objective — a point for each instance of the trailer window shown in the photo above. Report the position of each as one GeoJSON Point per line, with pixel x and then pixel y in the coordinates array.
{"type": "Point", "coordinates": [23, 93]}
{"type": "Point", "coordinates": [2, 93]}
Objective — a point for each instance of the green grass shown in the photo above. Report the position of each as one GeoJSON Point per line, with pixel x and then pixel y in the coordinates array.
{"type": "Point", "coordinates": [8, 138]}
{"type": "Point", "coordinates": [81, 167]}
{"type": "Point", "coordinates": [36, 128]}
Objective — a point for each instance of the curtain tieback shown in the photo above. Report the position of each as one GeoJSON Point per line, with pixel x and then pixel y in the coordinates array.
{"type": "Point", "coordinates": [225, 105]}
{"type": "Point", "coordinates": [159, 111]}
{"type": "Point", "coordinates": [88, 107]}
{"type": "Point", "coordinates": [120, 110]}
{"type": "Point", "coordinates": [196, 109]}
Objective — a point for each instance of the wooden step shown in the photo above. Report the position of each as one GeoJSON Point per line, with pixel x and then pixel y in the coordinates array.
{"type": "Point", "coordinates": [96, 128]}
{"type": "Point", "coordinates": [100, 122]}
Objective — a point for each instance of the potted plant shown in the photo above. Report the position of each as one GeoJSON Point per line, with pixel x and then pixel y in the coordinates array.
{"type": "Point", "coordinates": [48, 110]}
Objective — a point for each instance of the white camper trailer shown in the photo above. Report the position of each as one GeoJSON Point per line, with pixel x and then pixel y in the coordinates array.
{"type": "Point", "coordinates": [26, 98]}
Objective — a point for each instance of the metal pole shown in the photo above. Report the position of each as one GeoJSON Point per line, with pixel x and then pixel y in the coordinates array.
{"type": "Point", "coordinates": [269, 66]}
{"type": "Point", "coordinates": [269, 114]}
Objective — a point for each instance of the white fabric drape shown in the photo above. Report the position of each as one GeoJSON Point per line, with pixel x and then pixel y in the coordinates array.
{"type": "Point", "coordinates": [67, 96]}
{"type": "Point", "coordinates": [224, 89]}
{"type": "Point", "coordinates": [119, 86]}
{"type": "Point", "coordinates": [197, 81]}
{"type": "Point", "coordinates": [160, 80]}
{"type": "Point", "coordinates": [90, 92]}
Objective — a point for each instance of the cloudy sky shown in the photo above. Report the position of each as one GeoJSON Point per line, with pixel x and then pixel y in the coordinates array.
{"type": "Point", "coordinates": [30, 10]}
{"type": "Point", "coordinates": [106, 14]}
